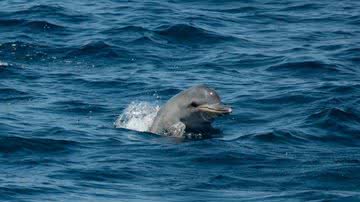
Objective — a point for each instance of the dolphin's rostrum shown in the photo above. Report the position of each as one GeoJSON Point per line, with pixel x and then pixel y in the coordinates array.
{"type": "Point", "coordinates": [192, 110]}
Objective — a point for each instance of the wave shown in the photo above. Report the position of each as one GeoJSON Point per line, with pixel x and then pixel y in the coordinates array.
{"type": "Point", "coordinates": [277, 137]}
{"type": "Point", "coordinates": [55, 12]}
{"type": "Point", "coordinates": [32, 26]}
{"type": "Point", "coordinates": [41, 9]}
{"type": "Point", "coordinates": [100, 175]}
{"type": "Point", "coordinates": [335, 125]}
{"type": "Point", "coordinates": [11, 22]}
{"type": "Point", "coordinates": [11, 144]}
{"type": "Point", "coordinates": [77, 107]}
{"type": "Point", "coordinates": [302, 7]}
{"type": "Point", "coordinates": [126, 29]}
{"type": "Point", "coordinates": [335, 116]}
{"type": "Point", "coordinates": [10, 94]}
{"type": "Point", "coordinates": [22, 46]}
{"type": "Point", "coordinates": [341, 88]}
{"type": "Point", "coordinates": [27, 52]}
{"type": "Point", "coordinates": [15, 71]}
{"type": "Point", "coordinates": [238, 10]}
{"type": "Point", "coordinates": [43, 25]}
{"type": "Point", "coordinates": [190, 34]}
{"type": "Point", "coordinates": [223, 181]}
{"type": "Point", "coordinates": [178, 33]}
{"type": "Point", "coordinates": [228, 158]}
{"type": "Point", "coordinates": [134, 36]}
{"type": "Point", "coordinates": [96, 49]}
{"type": "Point", "coordinates": [305, 68]}
{"type": "Point", "coordinates": [292, 99]}
{"type": "Point", "coordinates": [354, 20]}
{"type": "Point", "coordinates": [349, 54]}
{"type": "Point", "coordinates": [103, 84]}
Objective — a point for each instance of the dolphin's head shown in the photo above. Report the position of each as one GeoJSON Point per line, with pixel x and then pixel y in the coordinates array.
{"type": "Point", "coordinates": [201, 105]}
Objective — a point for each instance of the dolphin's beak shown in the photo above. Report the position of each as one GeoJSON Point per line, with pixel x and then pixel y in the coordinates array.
{"type": "Point", "coordinates": [218, 109]}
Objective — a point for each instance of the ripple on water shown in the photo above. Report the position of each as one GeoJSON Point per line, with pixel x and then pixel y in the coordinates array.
{"type": "Point", "coordinates": [12, 144]}
{"type": "Point", "coordinates": [305, 68]}
{"type": "Point", "coordinates": [10, 94]}
{"type": "Point", "coordinates": [183, 33]}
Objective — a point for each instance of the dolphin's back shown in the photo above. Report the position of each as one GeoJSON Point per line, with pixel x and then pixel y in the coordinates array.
{"type": "Point", "coordinates": [166, 116]}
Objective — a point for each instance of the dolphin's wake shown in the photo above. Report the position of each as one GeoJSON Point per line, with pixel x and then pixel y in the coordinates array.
{"type": "Point", "coordinates": [137, 116]}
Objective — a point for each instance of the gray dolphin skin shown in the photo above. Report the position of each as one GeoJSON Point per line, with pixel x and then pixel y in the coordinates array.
{"type": "Point", "coordinates": [192, 110]}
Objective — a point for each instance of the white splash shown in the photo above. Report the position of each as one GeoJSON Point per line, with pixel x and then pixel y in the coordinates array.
{"type": "Point", "coordinates": [137, 116]}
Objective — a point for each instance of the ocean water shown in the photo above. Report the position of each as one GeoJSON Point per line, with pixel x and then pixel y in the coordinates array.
{"type": "Point", "coordinates": [80, 80]}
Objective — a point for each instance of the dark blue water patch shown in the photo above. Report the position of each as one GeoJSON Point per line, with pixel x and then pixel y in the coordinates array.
{"type": "Point", "coordinates": [31, 25]}
{"type": "Point", "coordinates": [55, 12]}
{"type": "Point", "coordinates": [278, 137]}
{"type": "Point", "coordinates": [335, 120]}
{"type": "Point", "coordinates": [18, 73]}
{"type": "Point", "coordinates": [305, 68]}
{"type": "Point", "coordinates": [237, 10]}
{"type": "Point", "coordinates": [288, 98]}
{"type": "Point", "coordinates": [6, 127]}
{"type": "Point", "coordinates": [77, 107]}
{"type": "Point", "coordinates": [98, 49]}
{"type": "Point", "coordinates": [338, 115]}
{"type": "Point", "coordinates": [309, 195]}
{"type": "Point", "coordinates": [351, 54]}
{"type": "Point", "coordinates": [12, 144]}
{"type": "Point", "coordinates": [219, 160]}
{"type": "Point", "coordinates": [331, 176]}
{"type": "Point", "coordinates": [10, 22]}
{"type": "Point", "coordinates": [330, 47]}
{"type": "Point", "coordinates": [43, 26]}
{"type": "Point", "coordinates": [137, 37]}
{"type": "Point", "coordinates": [342, 89]}
{"type": "Point", "coordinates": [127, 31]}
{"type": "Point", "coordinates": [58, 131]}
{"type": "Point", "coordinates": [9, 94]}
{"type": "Point", "coordinates": [183, 33]}
{"type": "Point", "coordinates": [148, 41]}
{"type": "Point", "coordinates": [302, 7]}
{"type": "Point", "coordinates": [250, 60]}
{"type": "Point", "coordinates": [92, 82]}
{"type": "Point", "coordinates": [14, 191]}
{"type": "Point", "coordinates": [165, 36]}
{"type": "Point", "coordinates": [101, 174]}
{"type": "Point", "coordinates": [354, 20]}
{"type": "Point", "coordinates": [226, 182]}
{"type": "Point", "coordinates": [28, 53]}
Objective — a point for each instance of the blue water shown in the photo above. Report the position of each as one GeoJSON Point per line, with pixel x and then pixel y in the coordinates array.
{"type": "Point", "coordinates": [289, 69]}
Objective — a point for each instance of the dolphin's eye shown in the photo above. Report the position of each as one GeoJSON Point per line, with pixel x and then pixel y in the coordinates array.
{"type": "Point", "coordinates": [194, 104]}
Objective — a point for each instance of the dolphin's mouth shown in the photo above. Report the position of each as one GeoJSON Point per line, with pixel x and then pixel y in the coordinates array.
{"type": "Point", "coordinates": [216, 109]}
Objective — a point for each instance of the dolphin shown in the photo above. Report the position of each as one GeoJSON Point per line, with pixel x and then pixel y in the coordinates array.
{"type": "Point", "coordinates": [191, 111]}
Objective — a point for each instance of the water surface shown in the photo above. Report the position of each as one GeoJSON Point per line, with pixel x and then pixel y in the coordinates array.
{"type": "Point", "coordinates": [289, 69]}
